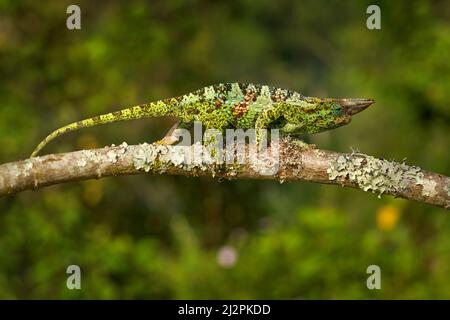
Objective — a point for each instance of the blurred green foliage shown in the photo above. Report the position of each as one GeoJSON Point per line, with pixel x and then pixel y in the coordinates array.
{"type": "Point", "coordinates": [160, 236]}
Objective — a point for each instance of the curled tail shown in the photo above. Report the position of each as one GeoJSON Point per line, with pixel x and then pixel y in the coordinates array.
{"type": "Point", "coordinates": [156, 109]}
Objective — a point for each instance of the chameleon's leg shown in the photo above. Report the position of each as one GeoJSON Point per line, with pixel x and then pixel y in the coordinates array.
{"type": "Point", "coordinates": [302, 144]}
{"type": "Point", "coordinates": [170, 138]}
{"type": "Point", "coordinates": [265, 119]}
{"type": "Point", "coordinates": [291, 130]}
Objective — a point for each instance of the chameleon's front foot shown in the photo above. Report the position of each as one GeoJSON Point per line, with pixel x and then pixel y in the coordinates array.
{"type": "Point", "coordinates": [302, 144]}
{"type": "Point", "coordinates": [170, 138]}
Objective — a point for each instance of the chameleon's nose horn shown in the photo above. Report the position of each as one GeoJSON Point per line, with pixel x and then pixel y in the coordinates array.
{"type": "Point", "coordinates": [354, 106]}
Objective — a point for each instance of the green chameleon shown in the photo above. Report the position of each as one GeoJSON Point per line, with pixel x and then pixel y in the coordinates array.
{"type": "Point", "coordinates": [236, 105]}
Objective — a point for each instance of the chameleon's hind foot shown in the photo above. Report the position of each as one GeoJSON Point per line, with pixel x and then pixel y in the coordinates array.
{"type": "Point", "coordinates": [170, 138]}
{"type": "Point", "coordinates": [167, 141]}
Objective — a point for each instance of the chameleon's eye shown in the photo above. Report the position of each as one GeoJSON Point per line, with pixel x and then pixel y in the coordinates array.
{"type": "Point", "coordinates": [336, 109]}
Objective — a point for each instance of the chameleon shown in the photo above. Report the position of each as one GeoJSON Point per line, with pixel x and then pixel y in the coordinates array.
{"type": "Point", "coordinates": [235, 106]}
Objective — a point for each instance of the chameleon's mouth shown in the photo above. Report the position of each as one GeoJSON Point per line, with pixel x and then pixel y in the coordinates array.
{"type": "Point", "coordinates": [354, 106]}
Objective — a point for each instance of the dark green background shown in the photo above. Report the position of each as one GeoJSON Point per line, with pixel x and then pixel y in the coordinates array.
{"type": "Point", "coordinates": [158, 236]}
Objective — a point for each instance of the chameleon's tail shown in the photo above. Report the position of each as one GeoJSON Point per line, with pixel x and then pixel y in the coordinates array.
{"type": "Point", "coordinates": [150, 110]}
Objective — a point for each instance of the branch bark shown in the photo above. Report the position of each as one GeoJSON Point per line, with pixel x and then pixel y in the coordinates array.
{"type": "Point", "coordinates": [291, 161]}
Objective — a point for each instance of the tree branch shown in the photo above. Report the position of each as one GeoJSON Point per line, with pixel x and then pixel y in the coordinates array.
{"type": "Point", "coordinates": [293, 162]}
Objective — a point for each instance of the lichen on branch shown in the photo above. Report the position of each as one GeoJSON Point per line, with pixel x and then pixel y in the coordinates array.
{"type": "Point", "coordinates": [293, 161]}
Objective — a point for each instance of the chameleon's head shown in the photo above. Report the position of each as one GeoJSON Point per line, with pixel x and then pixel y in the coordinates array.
{"type": "Point", "coordinates": [314, 115]}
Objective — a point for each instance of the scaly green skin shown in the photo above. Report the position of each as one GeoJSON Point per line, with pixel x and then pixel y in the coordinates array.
{"type": "Point", "coordinates": [236, 105]}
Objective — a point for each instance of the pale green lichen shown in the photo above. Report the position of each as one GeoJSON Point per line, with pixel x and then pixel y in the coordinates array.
{"type": "Point", "coordinates": [28, 165]}
{"type": "Point", "coordinates": [146, 157]}
{"type": "Point", "coordinates": [372, 174]}
{"type": "Point", "coordinates": [198, 157]}
{"type": "Point", "coordinates": [235, 93]}
{"type": "Point", "coordinates": [89, 154]}
{"type": "Point", "coordinates": [295, 98]}
{"type": "Point", "coordinates": [189, 99]}
{"type": "Point", "coordinates": [210, 93]}
{"type": "Point", "coordinates": [82, 162]}
{"type": "Point", "coordinates": [428, 187]}
{"type": "Point", "coordinates": [302, 144]}
{"type": "Point", "coordinates": [447, 189]}
{"type": "Point", "coordinates": [111, 155]}
{"type": "Point", "coordinates": [25, 170]}
{"type": "Point", "coordinates": [263, 101]}
{"type": "Point", "coordinates": [265, 161]}
{"type": "Point", "coordinates": [158, 158]}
